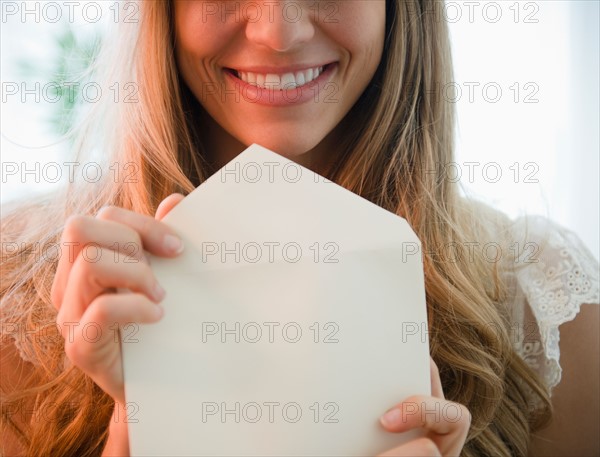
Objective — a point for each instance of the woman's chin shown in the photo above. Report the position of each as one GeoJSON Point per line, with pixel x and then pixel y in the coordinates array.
{"type": "Point", "coordinates": [292, 149]}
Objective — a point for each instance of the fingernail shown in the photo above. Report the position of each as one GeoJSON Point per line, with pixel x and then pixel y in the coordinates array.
{"type": "Point", "coordinates": [391, 418]}
{"type": "Point", "coordinates": [173, 244]}
{"type": "Point", "coordinates": [158, 292]}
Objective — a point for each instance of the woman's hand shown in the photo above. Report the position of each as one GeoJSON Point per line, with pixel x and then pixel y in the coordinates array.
{"type": "Point", "coordinates": [84, 291]}
{"type": "Point", "coordinates": [446, 424]}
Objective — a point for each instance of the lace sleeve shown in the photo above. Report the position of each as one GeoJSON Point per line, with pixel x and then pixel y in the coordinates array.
{"type": "Point", "coordinates": [555, 275]}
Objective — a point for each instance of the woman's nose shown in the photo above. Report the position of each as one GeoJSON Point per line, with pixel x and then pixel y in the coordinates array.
{"type": "Point", "coordinates": [280, 25]}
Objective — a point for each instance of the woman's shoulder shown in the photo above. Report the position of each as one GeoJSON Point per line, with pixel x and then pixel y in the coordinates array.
{"type": "Point", "coordinates": [552, 274]}
{"type": "Point", "coordinates": [556, 330]}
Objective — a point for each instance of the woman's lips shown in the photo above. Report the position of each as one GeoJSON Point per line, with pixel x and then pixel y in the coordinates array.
{"type": "Point", "coordinates": [283, 87]}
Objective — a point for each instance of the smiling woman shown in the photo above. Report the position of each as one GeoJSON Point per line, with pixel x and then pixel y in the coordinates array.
{"type": "Point", "coordinates": [253, 66]}
{"type": "Point", "coordinates": [349, 89]}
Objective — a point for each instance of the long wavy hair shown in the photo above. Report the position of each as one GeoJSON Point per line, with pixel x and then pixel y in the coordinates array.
{"type": "Point", "coordinates": [398, 134]}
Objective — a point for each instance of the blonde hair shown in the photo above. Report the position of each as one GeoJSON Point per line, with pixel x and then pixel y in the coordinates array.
{"type": "Point", "coordinates": [398, 134]}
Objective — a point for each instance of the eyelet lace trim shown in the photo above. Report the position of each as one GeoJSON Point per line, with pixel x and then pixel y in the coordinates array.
{"type": "Point", "coordinates": [562, 276]}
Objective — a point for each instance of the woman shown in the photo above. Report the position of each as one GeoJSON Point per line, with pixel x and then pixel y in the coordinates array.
{"type": "Point", "coordinates": [207, 79]}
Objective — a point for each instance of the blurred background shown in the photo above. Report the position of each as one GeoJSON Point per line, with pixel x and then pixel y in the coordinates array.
{"type": "Point", "coordinates": [526, 89]}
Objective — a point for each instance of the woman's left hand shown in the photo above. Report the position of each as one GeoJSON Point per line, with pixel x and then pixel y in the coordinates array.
{"type": "Point", "coordinates": [446, 424]}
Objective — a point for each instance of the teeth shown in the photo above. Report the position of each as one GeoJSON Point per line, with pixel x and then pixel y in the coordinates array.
{"type": "Point", "coordinates": [289, 80]}
{"type": "Point", "coordinates": [309, 75]}
{"type": "Point", "coordinates": [272, 80]}
{"type": "Point", "coordinates": [280, 82]}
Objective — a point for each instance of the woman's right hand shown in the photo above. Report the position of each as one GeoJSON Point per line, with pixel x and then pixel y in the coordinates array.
{"type": "Point", "coordinates": [84, 291]}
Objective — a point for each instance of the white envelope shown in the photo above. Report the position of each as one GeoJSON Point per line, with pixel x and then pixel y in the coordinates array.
{"type": "Point", "coordinates": [294, 319]}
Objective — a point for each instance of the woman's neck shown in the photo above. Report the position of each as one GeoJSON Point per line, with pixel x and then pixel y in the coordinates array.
{"type": "Point", "coordinates": [220, 148]}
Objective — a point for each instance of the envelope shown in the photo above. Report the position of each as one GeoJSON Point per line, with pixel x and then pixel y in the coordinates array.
{"type": "Point", "coordinates": [294, 318]}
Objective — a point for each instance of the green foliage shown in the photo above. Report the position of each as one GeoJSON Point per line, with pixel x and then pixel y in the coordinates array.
{"type": "Point", "coordinates": [68, 74]}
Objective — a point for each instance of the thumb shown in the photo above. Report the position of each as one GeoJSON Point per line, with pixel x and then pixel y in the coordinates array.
{"type": "Point", "coordinates": [167, 205]}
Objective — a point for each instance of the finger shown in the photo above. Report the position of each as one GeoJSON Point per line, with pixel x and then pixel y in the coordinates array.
{"type": "Point", "coordinates": [435, 415]}
{"type": "Point", "coordinates": [167, 205]}
{"type": "Point", "coordinates": [421, 447]}
{"type": "Point", "coordinates": [436, 382]}
{"type": "Point", "coordinates": [93, 345]}
{"type": "Point", "coordinates": [157, 237]}
{"type": "Point", "coordinates": [83, 231]}
{"type": "Point", "coordinates": [89, 279]}
{"type": "Point", "coordinates": [446, 423]}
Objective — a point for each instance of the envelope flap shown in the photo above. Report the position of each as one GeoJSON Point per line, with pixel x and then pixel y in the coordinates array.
{"type": "Point", "coordinates": [278, 200]}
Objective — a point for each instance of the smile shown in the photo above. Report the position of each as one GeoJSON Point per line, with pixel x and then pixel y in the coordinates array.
{"type": "Point", "coordinates": [280, 81]}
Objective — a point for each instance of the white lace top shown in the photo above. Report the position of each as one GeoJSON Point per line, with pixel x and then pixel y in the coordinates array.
{"type": "Point", "coordinates": [555, 275]}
